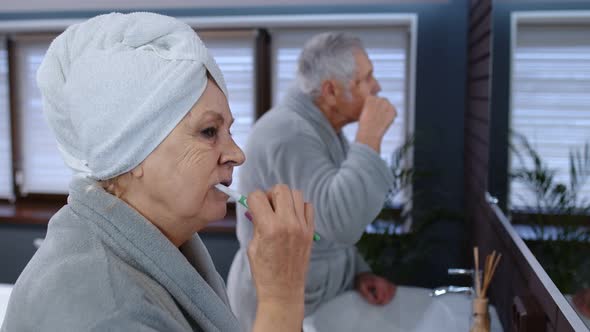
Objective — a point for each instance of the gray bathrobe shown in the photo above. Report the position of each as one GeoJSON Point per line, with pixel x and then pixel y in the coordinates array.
{"type": "Point", "coordinates": [295, 144]}
{"type": "Point", "coordinates": [103, 267]}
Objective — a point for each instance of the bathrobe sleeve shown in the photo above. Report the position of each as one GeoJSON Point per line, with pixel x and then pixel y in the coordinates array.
{"type": "Point", "coordinates": [346, 196]}
{"type": "Point", "coordinates": [360, 264]}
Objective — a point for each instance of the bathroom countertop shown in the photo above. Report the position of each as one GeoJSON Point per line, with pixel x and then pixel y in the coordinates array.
{"type": "Point", "coordinates": [411, 310]}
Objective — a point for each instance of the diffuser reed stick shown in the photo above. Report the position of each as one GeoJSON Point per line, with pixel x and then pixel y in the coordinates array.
{"type": "Point", "coordinates": [477, 277]}
{"type": "Point", "coordinates": [481, 317]}
{"type": "Point", "coordinates": [489, 268]}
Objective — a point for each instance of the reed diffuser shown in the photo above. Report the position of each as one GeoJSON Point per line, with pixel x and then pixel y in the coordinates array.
{"type": "Point", "coordinates": [481, 316]}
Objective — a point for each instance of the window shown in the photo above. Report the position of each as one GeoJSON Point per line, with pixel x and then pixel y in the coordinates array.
{"type": "Point", "coordinates": [41, 169]}
{"type": "Point", "coordinates": [550, 97]}
{"type": "Point", "coordinates": [6, 187]}
{"type": "Point", "coordinates": [386, 47]}
{"type": "Point", "coordinates": [234, 53]}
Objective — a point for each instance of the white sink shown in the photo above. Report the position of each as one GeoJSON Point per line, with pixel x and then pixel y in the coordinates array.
{"type": "Point", "coordinates": [412, 310]}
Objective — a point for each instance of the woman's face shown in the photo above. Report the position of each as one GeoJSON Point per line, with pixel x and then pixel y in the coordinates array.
{"type": "Point", "coordinates": [177, 179]}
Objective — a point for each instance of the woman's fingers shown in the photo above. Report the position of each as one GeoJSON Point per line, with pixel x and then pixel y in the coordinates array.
{"type": "Point", "coordinates": [282, 200]}
{"type": "Point", "coordinates": [309, 217]}
{"type": "Point", "coordinates": [259, 207]}
{"type": "Point", "coordinates": [298, 204]}
{"type": "Point", "coordinates": [285, 202]}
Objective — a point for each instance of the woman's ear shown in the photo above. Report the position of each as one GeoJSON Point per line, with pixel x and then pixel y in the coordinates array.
{"type": "Point", "coordinates": [137, 172]}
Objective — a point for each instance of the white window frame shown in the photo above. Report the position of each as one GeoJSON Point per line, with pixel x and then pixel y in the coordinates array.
{"type": "Point", "coordinates": [517, 18]}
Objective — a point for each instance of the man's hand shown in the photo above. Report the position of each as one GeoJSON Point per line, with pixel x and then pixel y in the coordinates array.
{"type": "Point", "coordinates": [582, 301]}
{"type": "Point", "coordinates": [376, 117]}
{"type": "Point", "coordinates": [374, 289]}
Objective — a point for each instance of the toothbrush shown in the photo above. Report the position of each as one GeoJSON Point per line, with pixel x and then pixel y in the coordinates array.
{"type": "Point", "coordinates": [233, 194]}
{"type": "Point", "coordinates": [242, 200]}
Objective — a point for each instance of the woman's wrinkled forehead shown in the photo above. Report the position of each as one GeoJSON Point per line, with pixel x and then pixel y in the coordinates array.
{"type": "Point", "coordinates": [211, 106]}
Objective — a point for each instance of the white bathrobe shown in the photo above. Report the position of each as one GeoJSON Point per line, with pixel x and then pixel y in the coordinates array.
{"type": "Point", "coordinates": [103, 267]}
{"type": "Point", "coordinates": [295, 144]}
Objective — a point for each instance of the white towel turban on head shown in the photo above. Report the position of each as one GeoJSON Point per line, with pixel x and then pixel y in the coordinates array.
{"type": "Point", "coordinates": [115, 86]}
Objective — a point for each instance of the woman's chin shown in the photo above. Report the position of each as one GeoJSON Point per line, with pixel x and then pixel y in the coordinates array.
{"type": "Point", "coordinates": [217, 211]}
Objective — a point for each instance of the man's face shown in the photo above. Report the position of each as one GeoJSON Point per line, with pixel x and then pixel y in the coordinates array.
{"type": "Point", "coordinates": [362, 86]}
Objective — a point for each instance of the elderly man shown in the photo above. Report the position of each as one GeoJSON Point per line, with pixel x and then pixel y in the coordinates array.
{"type": "Point", "coordinates": [300, 143]}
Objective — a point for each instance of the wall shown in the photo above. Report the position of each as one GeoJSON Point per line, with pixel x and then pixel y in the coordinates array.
{"type": "Point", "coordinates": [477, 118]}
{"type": "Point", "coordinates": [17, 248]}
{"type": "Point", "coordinates": [64, 5]}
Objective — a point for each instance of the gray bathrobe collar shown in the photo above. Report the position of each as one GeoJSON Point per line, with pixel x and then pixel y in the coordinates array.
{"type": "Point", "coordinates": [187, 274]}
{"type": "Point", "coordinates": [297, 101]}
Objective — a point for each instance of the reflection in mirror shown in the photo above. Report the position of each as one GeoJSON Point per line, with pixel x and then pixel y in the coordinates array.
{"type": "Point", "coordinates": [549, 152]}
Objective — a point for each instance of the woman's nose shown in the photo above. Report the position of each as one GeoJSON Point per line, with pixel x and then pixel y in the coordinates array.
{"type": "Point", "coordinates": [233, 154]}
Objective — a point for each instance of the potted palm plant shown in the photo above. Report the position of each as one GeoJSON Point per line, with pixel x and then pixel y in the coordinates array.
{"type": "Point", "coordinates": [558, 215]}
{"type": "Point", "coordinates": [394, 245]}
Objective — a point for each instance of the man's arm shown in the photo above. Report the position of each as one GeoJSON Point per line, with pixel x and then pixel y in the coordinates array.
{"type": "Point", "coordinates": [347, 197]}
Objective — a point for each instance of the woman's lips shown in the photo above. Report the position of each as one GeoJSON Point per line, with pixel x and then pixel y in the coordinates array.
{"type": "Point", "coordinates": [226, 183]}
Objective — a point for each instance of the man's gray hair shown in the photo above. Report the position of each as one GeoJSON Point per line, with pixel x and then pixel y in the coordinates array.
{"type": "Point", "coordinates": [328, 55]}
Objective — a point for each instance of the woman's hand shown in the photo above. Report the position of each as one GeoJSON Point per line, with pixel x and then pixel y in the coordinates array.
{"type": "Point", "coordinates": [279, 256]}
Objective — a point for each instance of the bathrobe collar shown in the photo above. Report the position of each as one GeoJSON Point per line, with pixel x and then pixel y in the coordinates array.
{"type": "Point", "coordinates": [187, 274]}
{"type": "Point", "coordinates": [297, 101]}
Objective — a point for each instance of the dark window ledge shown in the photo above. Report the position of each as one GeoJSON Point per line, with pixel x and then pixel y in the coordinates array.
{"type": "Point", "coordinates": [530, 217]}
{"type": "Point", "coordinates": [38, 212]}
{"type": "Point", "coordinates": [550, 233]}
{"type": "Point", "coordinates": [30, 211]}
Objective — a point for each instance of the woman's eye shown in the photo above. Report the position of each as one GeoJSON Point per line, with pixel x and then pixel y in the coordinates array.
{"type": "Point", "coordinates": [209, 132]}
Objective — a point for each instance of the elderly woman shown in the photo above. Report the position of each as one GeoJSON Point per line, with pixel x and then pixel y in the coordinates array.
{"type": "Point", "coordinates": [139, 110]}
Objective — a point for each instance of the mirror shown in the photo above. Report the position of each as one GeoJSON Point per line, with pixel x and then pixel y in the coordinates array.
{"type": "Point", "coordinates": [541, 112]}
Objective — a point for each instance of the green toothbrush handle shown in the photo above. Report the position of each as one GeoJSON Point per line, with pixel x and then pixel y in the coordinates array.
{"type": "Point", "coordinates": [244, 202]}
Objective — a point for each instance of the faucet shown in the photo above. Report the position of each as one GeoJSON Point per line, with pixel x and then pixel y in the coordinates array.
{"type": "Point", "coordinates": [451, 290]}
{"type": "Point", "coordinates": [454, 289]}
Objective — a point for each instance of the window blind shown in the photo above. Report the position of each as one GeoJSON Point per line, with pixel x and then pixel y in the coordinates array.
{"type": "Point", "coordinates": [550, 98]}
{"type": "Point", "coordinates": [41, 169]}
